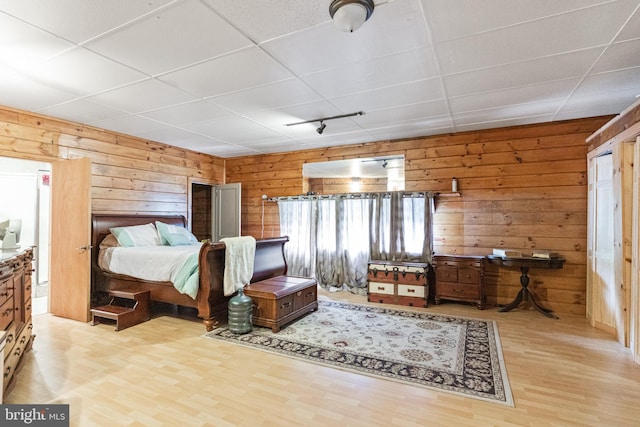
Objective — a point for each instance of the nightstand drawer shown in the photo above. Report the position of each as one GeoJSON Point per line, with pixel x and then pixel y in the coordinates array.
{"type": "Point", "coordinates": [446, 275]}
{"type": "Point", "coordinates": [468, 276]}
{"type": "Point", "coordinates": [458, 290]}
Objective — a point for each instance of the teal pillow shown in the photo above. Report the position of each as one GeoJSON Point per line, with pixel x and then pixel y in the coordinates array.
{"type": "Point", "coordinates": [175, 235]}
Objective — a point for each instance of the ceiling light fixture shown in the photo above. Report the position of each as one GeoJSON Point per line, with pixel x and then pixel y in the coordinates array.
{"type": "Point", "coordinates": [349, 15]}
{"type": "Point", "coordinates": [322, 120]}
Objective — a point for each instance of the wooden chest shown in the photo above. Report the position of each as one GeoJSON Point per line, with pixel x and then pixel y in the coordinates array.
{"type": "Point", "coordinates": [460, 278]}
{"type": "Point", "coordinates": [402, 283]}
{"type": "Point", "coordinates": [282, 299]}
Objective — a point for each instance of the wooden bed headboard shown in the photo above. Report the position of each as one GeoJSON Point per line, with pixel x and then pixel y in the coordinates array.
{"type": "Point", "coordinates": [101, 223]}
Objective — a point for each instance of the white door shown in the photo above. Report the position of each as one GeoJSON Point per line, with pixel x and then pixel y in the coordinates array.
{"type": "Point", "coordinates": [226, 211]}
{"type": "Point", "coordinates": [601, 290]}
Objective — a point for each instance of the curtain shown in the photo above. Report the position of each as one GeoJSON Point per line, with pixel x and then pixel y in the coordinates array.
{"type": "Point", "coordinates": [298, 221]}
{"type": "Point", "coordinates": [333, 238]}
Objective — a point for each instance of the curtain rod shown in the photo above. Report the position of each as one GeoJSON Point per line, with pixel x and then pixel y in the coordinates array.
{"type": "Point", "coordinates": [368, 195]}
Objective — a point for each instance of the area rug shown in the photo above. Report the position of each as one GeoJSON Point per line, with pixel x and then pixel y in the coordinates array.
{"type": "Point", "coordinates": [445, 353]}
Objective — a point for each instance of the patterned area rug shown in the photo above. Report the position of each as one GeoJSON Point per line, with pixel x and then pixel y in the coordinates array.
{"type": "Point", "coordinates": [451, 354]}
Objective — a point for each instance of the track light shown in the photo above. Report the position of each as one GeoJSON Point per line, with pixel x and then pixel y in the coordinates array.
{"type": "Point", "coordinates": [349, 15]}
{"type": "Point", "coordinates": [322, 120]}
{"type": "Point", "coordinates": [321, 128]}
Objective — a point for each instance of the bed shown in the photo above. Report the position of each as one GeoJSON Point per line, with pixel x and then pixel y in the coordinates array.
{"type": "Point", "coordinates": [210, 300]}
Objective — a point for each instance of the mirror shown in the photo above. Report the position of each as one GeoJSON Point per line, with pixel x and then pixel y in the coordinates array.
{"type": "Point", "coordinates": [372, 174]}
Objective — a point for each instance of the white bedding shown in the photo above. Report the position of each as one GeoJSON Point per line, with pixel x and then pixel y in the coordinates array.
{"type": "Point", "coordinates": [153, 263]}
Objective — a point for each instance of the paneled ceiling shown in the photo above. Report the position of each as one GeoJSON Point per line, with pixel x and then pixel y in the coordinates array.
{"type": "Point", "coordinates": [224, 77]}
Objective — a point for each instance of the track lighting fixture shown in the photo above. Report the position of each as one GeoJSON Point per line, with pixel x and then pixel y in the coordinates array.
{"type": "Point", "coordinates": [321, 128]}
{"type": "Point", "coordinates": [322, 121]}
{"type": "Point", "coordinates": [349, 15]}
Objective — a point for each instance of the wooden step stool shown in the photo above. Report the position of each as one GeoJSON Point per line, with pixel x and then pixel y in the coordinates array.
{"type": "Point", "coordinates": [127, 308]}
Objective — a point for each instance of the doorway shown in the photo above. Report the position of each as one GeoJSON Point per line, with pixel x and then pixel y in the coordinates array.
{"type": "Point", "coordinates": [25, 186]}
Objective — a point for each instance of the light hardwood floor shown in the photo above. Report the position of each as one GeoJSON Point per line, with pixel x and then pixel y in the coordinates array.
{"type": "Point", "coordinates": [162, 373]}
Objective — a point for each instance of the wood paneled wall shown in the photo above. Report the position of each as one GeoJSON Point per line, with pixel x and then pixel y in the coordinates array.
{"type": "Point", "coordinates": [521, 187]}
{"type": "Point", "coordinates": [129, 175]}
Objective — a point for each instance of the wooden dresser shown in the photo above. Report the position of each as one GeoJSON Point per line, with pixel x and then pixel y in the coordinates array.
{"type": "Point", "coordinates": [394, 282]}
{"type": "Point", "coordinates": [15, 311]}
{"type": "Point", "coordinates": [460, 278]}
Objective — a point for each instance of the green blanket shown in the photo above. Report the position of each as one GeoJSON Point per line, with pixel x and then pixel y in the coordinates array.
{"type": "Point", "coordinates": [187, 278]}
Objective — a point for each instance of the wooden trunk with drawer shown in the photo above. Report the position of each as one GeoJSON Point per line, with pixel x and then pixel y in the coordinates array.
{"type": "Point", "coordinates": [395, 282]}
{"type": "Point", "coordinates": [282, 299]}
{"type": "Point", "coordinates": [15, 312]}
{"type": "Point", "coordinates": [459, 278]}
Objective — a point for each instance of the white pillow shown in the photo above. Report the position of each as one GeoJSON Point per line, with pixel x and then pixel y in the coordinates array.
{"type": "Point", "coordinates": [175, 235]}
{"type": "Point", "coordinates": [137, 235]}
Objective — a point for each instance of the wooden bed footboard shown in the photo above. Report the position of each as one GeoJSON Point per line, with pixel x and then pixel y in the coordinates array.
{"type": "Point", "coordinates": [210, 302]}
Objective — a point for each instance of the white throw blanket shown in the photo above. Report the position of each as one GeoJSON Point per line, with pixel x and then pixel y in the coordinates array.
{"type": "Point", "coordinates": [238, 265]}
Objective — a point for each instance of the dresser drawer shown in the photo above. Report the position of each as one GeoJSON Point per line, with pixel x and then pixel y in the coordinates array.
{"type": "Point", "coordinates": [13, 356]}
{"type": "Point", "coordinates": [6, 290]}
{"type": "Point", "coordinates": [381, 288]}
{"type": "Point", "coordinates": [411, 291]}
{"type": "Point", "coordinates": [6, 313]}
{"type": "Point", "coordinates": [458, 290]}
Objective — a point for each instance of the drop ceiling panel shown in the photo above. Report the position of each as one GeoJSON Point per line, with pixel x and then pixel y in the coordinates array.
{"type": "Point", "coordinates": [14, 86]}
{"type": "Point", "coordinates": [131, 125]}
{"type": "Point", "coordinates": [268, 19]}
{"type": "Point", "coordinates": [581, 29]}
{"type": "Point", "coordinates": [619, 56]}
{"type": "Point", "coordinates": [558, 89]}
{"type": "Point", "coordinates": [233, 128]}
{"type": "Point", "coordinates": [405, 93]}
{"type": "Point", "coordinates": [89, 72]}
{"type": "Point", "coordinates": [190, 112]}
{"type": "Point", "coordinates": [79, 20]}
{"type": "Point", "coordinates": [164, 43]}
{"type": "Point", "coordinates": [24, 47]}
{"type": "Point", "coordinates": [454, 19]}
{"type": "Point", "coordinates": [236, 71]}
{"type": "Point", "coordinates": [274, 95]}
{"type": "Point", "coordinates": [390, 116]}
{"type": "Point", "coordinates": [532, 109]}
{"type": "Point", "coordinates": [374, 74]}
{"type": "Point", "coordinates": [597, 91]}
{"type": "Point", "coordinates": [142, 96]}
{"type": "Point", "coordinates": [82, 110]}
{"type": "Point", "coordinates": [557, 67]}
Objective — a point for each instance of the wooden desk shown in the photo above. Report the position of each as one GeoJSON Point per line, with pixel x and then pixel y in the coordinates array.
{"type": "Point", "coordinates": [524, 264]}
